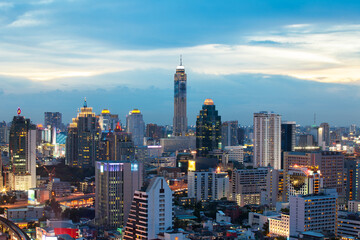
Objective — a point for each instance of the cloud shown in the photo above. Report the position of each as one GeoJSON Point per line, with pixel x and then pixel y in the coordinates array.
{"type": "Point", "coordinates": [6, 5]}
{"type": "Point", "coordinates": [29, 19]}
{"type": "Point", "coordinates": [311, 52]}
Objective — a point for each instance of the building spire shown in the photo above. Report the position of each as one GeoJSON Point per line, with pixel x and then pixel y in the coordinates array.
{"type": "Point", "coordinates": [85, 103]}
{"type": "Point", "coordinates": [180, 60]}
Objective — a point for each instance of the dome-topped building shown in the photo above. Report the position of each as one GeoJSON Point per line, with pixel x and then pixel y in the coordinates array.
{"type": "Point", "coordinates": [209, 101]}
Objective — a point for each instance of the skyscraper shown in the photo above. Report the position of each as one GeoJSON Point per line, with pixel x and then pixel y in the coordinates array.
{"type": "Point", "coordinates": [208, 129]}
{"type": "Point", "coordinates": [107, 120]}
{"type": "Point", "coordinates": [151, 211]}
{"type": "Point", "coordinates": [267, 140]}
{"type": "Point", "coordinates": [116, 145]}
{"type": "Point", "coordinates": [325, 130]}
{"type": "Point", "coordinates": [180, 119]}
{"type": "Point", "coordinates": [116, 182]}
{"type": "Point", "coordinates": [82, 143]}
{"type": "Point", "coordinates": [229, 133]}
{"type": "Point", "coordinates": [22, 146]}
{"type": "Point", "coordinates": [53, 119]}
{"type": "Point", "coordinates": [136, 126]}
{"type": "Point", "coordinates": [288, 138]}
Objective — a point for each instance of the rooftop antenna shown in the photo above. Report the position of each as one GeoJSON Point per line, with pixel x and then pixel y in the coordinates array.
{"type": "Point", "coordinates": [314, 118]}
{"type": "Point", "coordinates": [85, 103]}
{"type": "Point", "coordinates": [180, 60]}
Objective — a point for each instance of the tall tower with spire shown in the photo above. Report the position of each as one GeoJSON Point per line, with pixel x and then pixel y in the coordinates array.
{"type": "Point", "coordinates": [180, 119]}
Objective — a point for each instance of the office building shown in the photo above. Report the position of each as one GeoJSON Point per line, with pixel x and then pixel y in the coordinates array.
{"type": "Point", "coordinates": [273, 191]}
{"type": "Point", "coordinates": [116, 182]}
{"type": "Point", "coordinates": [267, 140]}
{"type": "Point", "coordinates": [306, 140]}
{"type": "Point", "coordinates": [325, 133]}
{"type": "Point", "coordinates": [351, 179]}
{"type": "Point", "coordinates": [247, 185]}
{"type": "Point", "coordinates": [178, 143]}
{"type": "Point", "coordinates": [180, 119]}
{"type": "Point", "coordinates": [108, 121]}
{"type": "Point", "coordinates": [208, 185]}
{"type": "Point", "coordinates": [330, 164]}
{"type": "Point", "coordinates": [53, 119]}
{"type": "Point", "coordinates": [116, 145]}
{"type": "Point", "coordinates": [154, 131]}
{"type": "Point", "coordinates": [303, 181]}
{"type": "Point", "coordinates": [151, 211]}
{"type": "Point", "coordinates": [208, 129]}
{"type": "Point", "coordinates": [22, 147]}
{"type": "Point", "coordinates": [348, 225]}
{"type": "Point", "coordinates": [235, 153]}
{"type": "Point", "coordinates": [4, 133]}
{"type": "Point", "coordinates": [136, 126]}
{"type": "Point", "coordinates": [279, 225]}
{"type": "Point", "coordinates": [82, 143]}
{"type": "Point", "coordinates": [229, 133]}
{"type": "Point", "coordinates": [316, 213]}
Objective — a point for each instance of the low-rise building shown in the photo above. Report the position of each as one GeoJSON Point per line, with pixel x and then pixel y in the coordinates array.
{"type": "Point", "coordinates": [280, 225]}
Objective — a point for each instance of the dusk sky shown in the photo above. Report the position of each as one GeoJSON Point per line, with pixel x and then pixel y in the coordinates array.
{"type": "Point", "coordinates": [295, 58]}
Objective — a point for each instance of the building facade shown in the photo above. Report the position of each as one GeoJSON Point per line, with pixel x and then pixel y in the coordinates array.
{"type": "Point", "coordinates": [53, 119]}
{"type": "Point", "coordinates": [229, 133]}
{"type": "Point", "coordinates": [136, 126]}
{"type": "Point", "coordinates": [267, 140]}
{"type": "Point", "coordinates": [116, 182]}
{"type": "Point", "coordinates": [208, 129]}
{"type": "Point", "coordinates": [151, 211]}
{"type": "Point", "coordinates": [180, 118]}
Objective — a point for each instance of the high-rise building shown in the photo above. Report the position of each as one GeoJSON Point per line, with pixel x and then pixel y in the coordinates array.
{"type": "Point", "coordinates": [116, 145]}
{"type": "Point", "coordinates": [53, 119]}
{"type": "Point", "coordinates": [116, 182]}
{"type": "Point", "coordinates": [273, 192]}
{"type": "Point", "coordinates": [107, 120]}
{"type": "Point", "coordinates": [208, 185]}
{"type": "Point", "coordinates": [4, 132]}
{"type": "Point", "coordinates": [22, 147]}
{"type": "Point", "coordinates": [151, 211]}
{"type": "Point", "coordinates": [288, 139]}
{"type": "Point", "coordinates": [267, 140]}
{"type": "Point", "coordinates": [303, 181]}
{"type": "Point", "coordinates": [235, 153]}
{"type": "Point", "coordinates": [306, 140]}
{"type": "Point", "coordinates": [316, 213]}
{"type": "Point", "coordinates": [325, 133]}
{"type": "Point", "coordinates": [180, 119]}
{"type": "Point", "coordinates": [330, 164]}
{"type": "Point", "coordinates": [247, 185]}
{"type": "Point", "coordinates": [229, 133]}
{"type": "Point", "coordinates": [154, 131]}
{"type": "Point", "coordinates": [351, 179]}
{"type": "Point", "coordinates": [208, 132]}
{"type": "Point", "coordinates": [136, 126]}
{"type": "Point", "coordinates": [82, 143]}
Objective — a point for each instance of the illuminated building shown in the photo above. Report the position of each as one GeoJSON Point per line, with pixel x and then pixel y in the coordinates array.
{"type": "Point", "coordinates": [247, 185]}
{"type": "Point", "coordinates": [107, 120]}
{"type": "Point", "coordinates": [208, 129]}
{"type": "Point", "coordinates": [280, 225]}
{"type": "Point", "coordinates": [151, 211]}
{"type": "Point", "coordinates": [229, 133]}
{"type": "Point", "coordinates": [22, 147]}
{"type": "Point", "coordinates": [348, 225]}
{"type": "Point", "coordinates": [116, 182]}
{"type": "Point", "coordinates": [303, 181]}
{"type": "Point", "coordinates": [208, 185]}
{"type": "Point", "coordinates": [267, 140]}
{"type": "Point", "coordinates": [316, 213]}
{"type": "Point", "coordinates": [180, 119]}
{"type": "Point", "coordinates": [351, 179]}
{"type": "Point", "coordinates": [116, 145]}
{"type": "Point", "coordinates": [136, 126]}
{"type": "Point", "coordinates": [82, 143]}
{"type": "Point", "coordinates": [330, 164]}
{"type": "Point", "coordinates": [235, 153]}
{"type": "Point", "coordinates": [273, 192]}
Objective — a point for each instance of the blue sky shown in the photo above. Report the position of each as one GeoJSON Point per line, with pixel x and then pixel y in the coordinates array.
{"type": "Point", "coordinates": [296, 58]}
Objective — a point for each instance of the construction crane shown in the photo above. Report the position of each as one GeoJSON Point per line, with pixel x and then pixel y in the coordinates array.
{"type": "Point", "coordinates": [51, 173]}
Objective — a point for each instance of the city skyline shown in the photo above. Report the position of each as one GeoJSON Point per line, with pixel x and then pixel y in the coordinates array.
{"type": "Point", "coordinates": [266, 56]}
